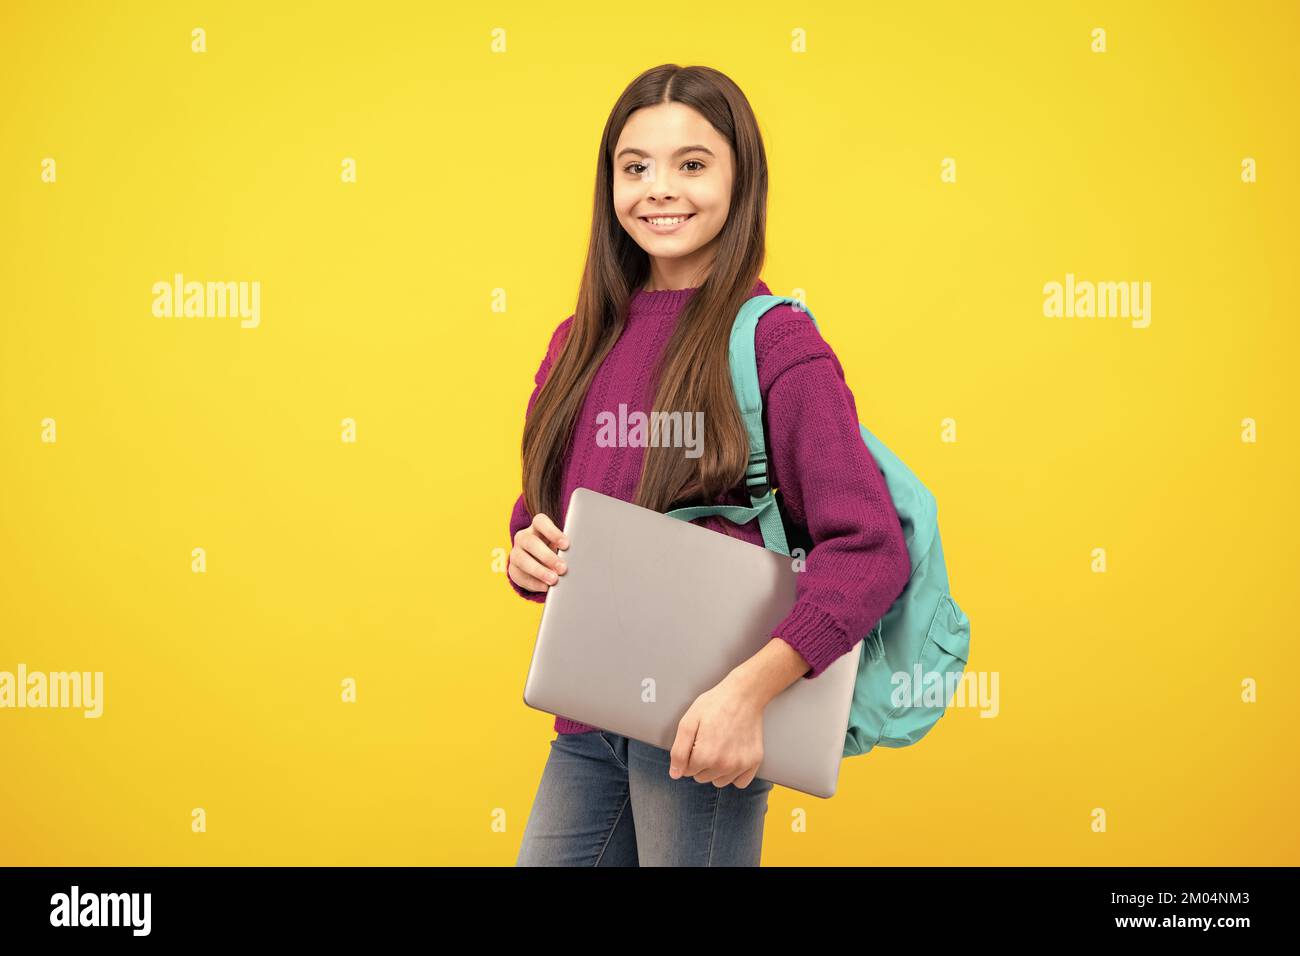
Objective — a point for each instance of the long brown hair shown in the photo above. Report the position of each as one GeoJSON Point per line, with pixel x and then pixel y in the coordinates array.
{"type": "Point", "coordinates": [692, 372]}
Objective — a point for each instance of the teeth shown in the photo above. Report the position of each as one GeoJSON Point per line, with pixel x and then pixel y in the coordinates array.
{"type": "Point", "coordinates": [668, 222]}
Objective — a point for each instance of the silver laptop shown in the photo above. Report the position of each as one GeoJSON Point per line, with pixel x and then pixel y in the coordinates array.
{"type": "Point", "coordinates": [654, 611]}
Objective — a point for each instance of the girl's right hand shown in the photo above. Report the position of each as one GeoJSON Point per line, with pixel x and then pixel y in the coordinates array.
{"type": "Point", "coordinates": [533, 565]}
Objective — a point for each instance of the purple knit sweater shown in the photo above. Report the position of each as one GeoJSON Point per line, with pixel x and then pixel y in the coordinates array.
{"type": "Point", "coordinates": [830, 486]}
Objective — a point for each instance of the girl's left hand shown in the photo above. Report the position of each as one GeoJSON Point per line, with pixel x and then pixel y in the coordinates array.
{"type": "Point", "coordinates": [720, 737]}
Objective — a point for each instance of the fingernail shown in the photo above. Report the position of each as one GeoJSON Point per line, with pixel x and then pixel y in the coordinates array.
{"type": "Point", "coordinates": [551, 577]}
{"type": "Point", "coordinates": [561, 567]}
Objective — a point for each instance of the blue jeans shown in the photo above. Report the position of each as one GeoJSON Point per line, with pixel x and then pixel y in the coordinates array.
{"type": "Point", "coordinates": [607, 800]}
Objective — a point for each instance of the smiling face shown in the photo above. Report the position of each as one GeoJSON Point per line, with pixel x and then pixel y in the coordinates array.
{"type": "Point", "coordinates": [672, 190]}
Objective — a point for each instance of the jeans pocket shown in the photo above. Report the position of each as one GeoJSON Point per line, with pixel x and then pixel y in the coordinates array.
{"type": "Point", "coordinates": [613, 748]}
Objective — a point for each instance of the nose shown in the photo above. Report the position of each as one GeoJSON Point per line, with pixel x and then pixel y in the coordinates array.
{"type": "Point", "coordinates": [657, 176]}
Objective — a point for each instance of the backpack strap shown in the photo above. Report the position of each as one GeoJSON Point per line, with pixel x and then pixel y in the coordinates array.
{"type": "Point", "coordinates": [749, 398]}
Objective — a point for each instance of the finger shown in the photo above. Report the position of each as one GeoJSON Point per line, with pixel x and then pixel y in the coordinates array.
{"type": "Point", "coordinates": [533, 542]}
{"type": "Point", "coordinates": [525, 565]}
{"type": "Point", "coordinates": [707, 775]}
{"type": "Point", "coordinates": [526, 581]}
{"type": "Point", "coordinates": [546, 527]}
{"type": "Point", "coordinates": [723, 777]}
{"type": "Point", "coordinates": [745, 779]}
{"type": "Point", "coordinates": [708, 767]}
{"type": "Point", "coordinates": [679, 758]}
{"type": "Point", "coordinates": [535, 547]}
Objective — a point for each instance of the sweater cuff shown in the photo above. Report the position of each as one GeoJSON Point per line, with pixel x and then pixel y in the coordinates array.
{"type": "Point", "coordinates": [816, 635]}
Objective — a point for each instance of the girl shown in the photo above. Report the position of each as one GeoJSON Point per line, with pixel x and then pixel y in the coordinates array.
{"type": "Point", "coordinates": [677, 242]}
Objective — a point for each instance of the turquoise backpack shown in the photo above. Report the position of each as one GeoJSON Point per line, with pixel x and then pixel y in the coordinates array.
{"type": "Point", "coordinates": [924, 634]}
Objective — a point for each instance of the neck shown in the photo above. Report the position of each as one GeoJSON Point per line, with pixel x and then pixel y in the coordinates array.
{"type": "Point", "coordinates": [670, 275]}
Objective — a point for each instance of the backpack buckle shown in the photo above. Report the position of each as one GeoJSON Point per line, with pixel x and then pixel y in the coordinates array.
{"type": "Point", "coordinates": [756, 475]}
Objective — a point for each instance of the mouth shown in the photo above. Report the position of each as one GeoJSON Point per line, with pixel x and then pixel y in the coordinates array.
{"type": "Point", "coordinates": [663, 225]}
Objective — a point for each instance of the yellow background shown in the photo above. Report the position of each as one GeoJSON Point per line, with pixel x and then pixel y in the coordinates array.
{"type": "Point", "coordinates": [374, 560]}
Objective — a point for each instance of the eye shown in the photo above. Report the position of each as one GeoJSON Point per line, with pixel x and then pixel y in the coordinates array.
{"type": "Point", "coordinates": [636, 168]}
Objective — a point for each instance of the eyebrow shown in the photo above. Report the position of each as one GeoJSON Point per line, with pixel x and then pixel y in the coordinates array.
{"type": "Point", "coordinates": [679, 152]}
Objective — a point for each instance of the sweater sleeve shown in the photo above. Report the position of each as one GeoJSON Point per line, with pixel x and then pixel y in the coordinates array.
{"type": "Point", "coordinates": [830, 484]}
{"type": "Point", "coordinates": [520, 517]}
